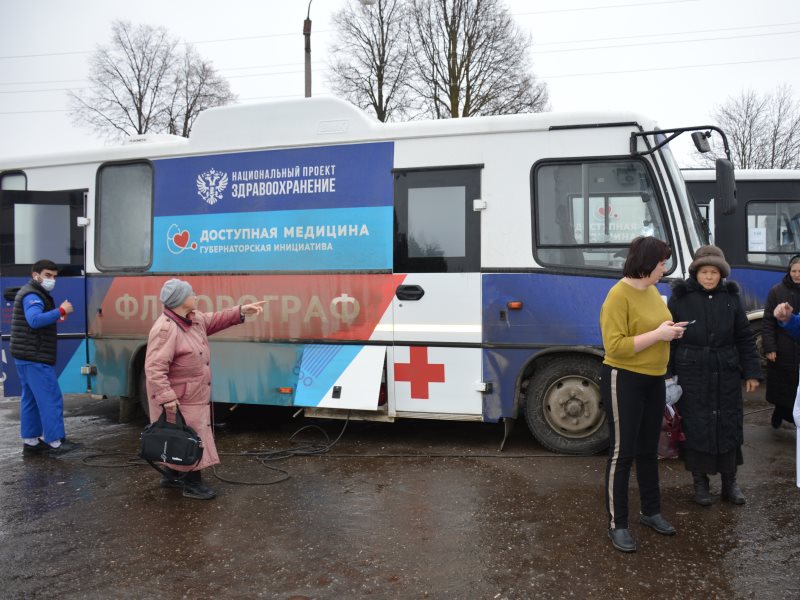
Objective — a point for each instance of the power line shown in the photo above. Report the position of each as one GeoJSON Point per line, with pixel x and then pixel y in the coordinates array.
{"type": "Point", "coordinates": [536, 47]}
{"type": "Point", "coordinates": [40, 82]}
{"type": "Point", "coordinates": [43, 90]}
{"type": "Point", "coordinates": [293, 64]}
{"type": "Point", "coordinates": [240, 101]}
{"type": "Point", "coordinates": [675, 68]}
{"type": "Point", "coordinates": [294, 72]}
{"type": "Point", "coordinates": [30, 112]}
{"type": "Point", "coordinates": [46, 54]}
{"type": "Point", "coordinates": [536, 52]}
{"type": "Point", "coordinates": [76, 89]}
{"type": "Point", "coordinates": [258, 37]}
{"type": "Point", "coordinates": [52, 81]}
{"type": "Point", "coordinates": [268, 74]}
{"type": "Point", "coordinates": [670, 33]}
{"type": "Point", "coordinates": [666, 42]}
{"type": "Point", "coordinates": [233, 39]}
{"type": "Point", "coordinates": [649, 69]}
{"type": "Point", "coordinates": [604, 7]}
{"type": "Point", "coordinates": [241, 76]}
{"type": "Point", "coordinates": [542, 77]}
{"type": "Point", "coordinates": [298, 95]}
{"type": "Point", "coordinates": [325, 31]}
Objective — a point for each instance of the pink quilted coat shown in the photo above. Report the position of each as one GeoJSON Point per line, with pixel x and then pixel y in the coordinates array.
{"type": "Point", "coordinates": [178, 366]}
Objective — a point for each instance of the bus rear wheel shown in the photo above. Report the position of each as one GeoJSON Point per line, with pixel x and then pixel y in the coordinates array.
{"type": "Point", "coordinates": [141, 392]}
{"type": "Point", "coordinates": [563, 406]}
{"type": "Point", "coordinates": [219, 413]}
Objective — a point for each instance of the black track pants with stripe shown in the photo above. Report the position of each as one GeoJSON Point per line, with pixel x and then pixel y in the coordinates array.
{"type": "Point", "coordinates": [634, 405]}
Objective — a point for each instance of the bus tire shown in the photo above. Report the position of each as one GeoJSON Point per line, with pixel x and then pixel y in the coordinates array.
{"type": "Point", "coordinates": [141, 392]}
{"type": "Point", "coordinates": [563, 407]}
{"type": "Point", "coordinates": [129, 409]}
{"type": "Point", "coordinates": [755, 327]}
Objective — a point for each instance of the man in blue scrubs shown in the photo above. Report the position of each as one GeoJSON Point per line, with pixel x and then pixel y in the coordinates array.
{"type": "Point", "coordinates": [33, 346]}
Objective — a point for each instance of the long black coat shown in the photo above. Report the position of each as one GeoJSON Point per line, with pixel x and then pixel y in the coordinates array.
{"type": "Point", "coordinates": [782, 376]}
{"type": "Point", "coordinates": [711, 359]}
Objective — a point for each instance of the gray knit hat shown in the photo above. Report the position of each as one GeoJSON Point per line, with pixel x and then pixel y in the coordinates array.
{"type": "Point", "coordinates": [709, 256]}
{"type": "Point", "coordinates": [175, 292]}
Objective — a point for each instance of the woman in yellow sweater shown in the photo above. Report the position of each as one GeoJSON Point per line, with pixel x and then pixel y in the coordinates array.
{"type": "Point", "coordinates": [637, 330]}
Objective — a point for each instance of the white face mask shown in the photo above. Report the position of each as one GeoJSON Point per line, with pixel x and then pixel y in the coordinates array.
{"type": "Point", "coordinates": [48, 284]}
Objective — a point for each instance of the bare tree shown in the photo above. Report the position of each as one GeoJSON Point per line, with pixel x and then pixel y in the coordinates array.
{"type": "Point", "coordinates": [196, 86]}
{"type": "Point", "coordinates": [370, 65]}
{"type": "Point", "coordinates": [471, 59]}
{"type": "Point", "coordinates": [782, 143]}
{"type": "Point", "coordinates": [140, 84]}
{"type": "Point", "coordinates": [763, 131]}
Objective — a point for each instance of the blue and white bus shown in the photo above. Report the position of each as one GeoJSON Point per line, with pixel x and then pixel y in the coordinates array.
{"type": "Point", "coordinates": [761, 234]}
{"type": "Point", "coordinates": [451, 269]}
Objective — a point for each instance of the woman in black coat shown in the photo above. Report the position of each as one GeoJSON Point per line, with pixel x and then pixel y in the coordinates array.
{"type": "Point", "coordinates": [716, 353]}
{"type": "Point", "coordinates": [780, 348]}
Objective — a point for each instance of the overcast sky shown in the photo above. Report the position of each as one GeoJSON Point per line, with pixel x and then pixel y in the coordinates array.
{"type": "Point", "coordinates": [670, 59]}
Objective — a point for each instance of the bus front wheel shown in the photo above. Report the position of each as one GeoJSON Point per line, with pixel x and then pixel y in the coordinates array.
{"type": "Point", "coordinates": [755, 327]}
{"type": "Point", "coordinates": [563, 406]}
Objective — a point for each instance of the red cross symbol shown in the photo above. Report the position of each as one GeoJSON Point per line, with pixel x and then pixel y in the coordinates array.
{"type": "Point", "coordinates": [419, 372]}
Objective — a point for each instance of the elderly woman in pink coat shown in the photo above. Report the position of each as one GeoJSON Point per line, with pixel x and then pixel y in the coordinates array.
{"type": "Point", "coordinates": [178, 371]}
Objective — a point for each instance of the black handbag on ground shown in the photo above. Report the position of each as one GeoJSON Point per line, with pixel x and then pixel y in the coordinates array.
{"type": "Point", "coordinates": [171, 443]}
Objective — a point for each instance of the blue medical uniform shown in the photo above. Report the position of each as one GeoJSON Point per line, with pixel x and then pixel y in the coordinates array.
{"type": "Point", "coordinates": [792, 326]}
{"type": "Point", "coordinates": [42, 405]}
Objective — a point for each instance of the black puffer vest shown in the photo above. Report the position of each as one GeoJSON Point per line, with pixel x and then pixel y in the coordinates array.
{"type": "Point", "coordinates": [36, 345]}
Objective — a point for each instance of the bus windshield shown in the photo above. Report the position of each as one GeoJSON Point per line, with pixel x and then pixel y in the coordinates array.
{"type": "Point", "coordinates": [694, 226]}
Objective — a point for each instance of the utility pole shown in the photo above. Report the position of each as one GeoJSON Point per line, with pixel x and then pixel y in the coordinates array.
{"type": "Point", "coordinates": [307, 35]}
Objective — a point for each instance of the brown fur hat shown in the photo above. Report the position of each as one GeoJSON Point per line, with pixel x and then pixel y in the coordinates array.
{"type": "Point", "coordinates": [709, 256]}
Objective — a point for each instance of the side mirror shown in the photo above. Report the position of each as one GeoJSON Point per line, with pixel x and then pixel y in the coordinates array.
{"type": "Point", "coordinates": [726, 187]}
{"type": "Point", "coordinates": [700, 139]}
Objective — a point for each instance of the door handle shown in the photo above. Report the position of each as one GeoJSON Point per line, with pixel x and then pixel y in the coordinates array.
{"type": "Point", "coordinates": [409, 292]}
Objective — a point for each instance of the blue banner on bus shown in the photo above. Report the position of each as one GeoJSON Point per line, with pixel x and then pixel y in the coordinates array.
{"type": "Point", "coordinates": [325, 208]}
{"type": "Point", "coordinates": [287, 240]}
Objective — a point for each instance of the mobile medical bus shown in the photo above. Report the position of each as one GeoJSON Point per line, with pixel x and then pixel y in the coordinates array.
{"type": "Point", "coordinates": [451, 269]}
{"type": "Point", "coordinates": [763, 232]}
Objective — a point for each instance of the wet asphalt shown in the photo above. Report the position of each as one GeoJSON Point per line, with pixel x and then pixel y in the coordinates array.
{"type": "Point", "coordinates": [414, 509]}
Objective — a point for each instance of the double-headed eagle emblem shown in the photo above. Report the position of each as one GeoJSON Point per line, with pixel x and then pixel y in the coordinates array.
{"type": "Point", "coordinates": [211, 184]}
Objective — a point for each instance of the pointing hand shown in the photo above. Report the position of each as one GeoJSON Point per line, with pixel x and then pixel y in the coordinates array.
{"type": "Point", "coordinates": [255, 308]}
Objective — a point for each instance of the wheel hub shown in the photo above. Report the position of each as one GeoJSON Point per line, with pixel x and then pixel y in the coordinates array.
{"type": "Point", "coordinates": [573, 406]}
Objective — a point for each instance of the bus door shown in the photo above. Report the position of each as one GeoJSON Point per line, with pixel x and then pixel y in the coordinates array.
{"type": "Point", "coordinates": [44, 225]}
{"type": "Point", "coordinates": [435, 363]}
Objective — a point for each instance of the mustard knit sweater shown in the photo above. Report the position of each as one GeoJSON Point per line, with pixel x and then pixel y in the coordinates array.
{"type": "Point", "coordinates": [626, 313]}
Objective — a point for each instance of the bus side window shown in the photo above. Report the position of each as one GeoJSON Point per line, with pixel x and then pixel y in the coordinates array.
{"type": "Point", "coordinates": [13, 181]}
{"type": "Point", "coordinates": [436, 228]}
{"type": "Point", "coordinates": [772, 232]}
{"type": "Point", "coordinates": [587, 213]}
{"type": "Point", "coordinates": [124, 216]}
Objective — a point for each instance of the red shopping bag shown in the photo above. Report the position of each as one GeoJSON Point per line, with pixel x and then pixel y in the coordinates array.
{"type": "Point", "coordinates": [671, 435]}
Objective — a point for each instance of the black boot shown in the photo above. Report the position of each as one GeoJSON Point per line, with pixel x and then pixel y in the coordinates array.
{"type": "Point", "coordinates": [730, 489]}
{"type": "Point", "coordinates": [194, 488]}
{"type": "Point", "coordinates": [777, 418]}
{"type": "Point", "coordinates": [702, 495]}
{"type": "Point", "coordinates": [173, 479]}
